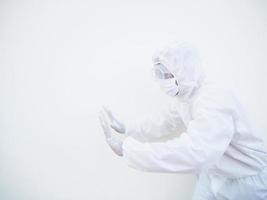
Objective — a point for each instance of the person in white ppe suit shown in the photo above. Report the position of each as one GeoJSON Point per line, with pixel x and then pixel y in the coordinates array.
{"type": "Point", "coordinates": [216, 141]}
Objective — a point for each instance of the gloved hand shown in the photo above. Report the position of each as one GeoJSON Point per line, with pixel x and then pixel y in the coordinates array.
{"type": "Point", "coordinates": [112, 138]}
{"type": "Point", "coordinates": [115, 123]}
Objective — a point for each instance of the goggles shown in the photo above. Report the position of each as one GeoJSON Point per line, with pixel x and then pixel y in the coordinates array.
{"type": "Point", "coordinates": [161, 72]}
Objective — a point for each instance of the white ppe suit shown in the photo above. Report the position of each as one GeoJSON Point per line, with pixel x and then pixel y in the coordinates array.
{"type": "Point", "coordinates": [216, 141]}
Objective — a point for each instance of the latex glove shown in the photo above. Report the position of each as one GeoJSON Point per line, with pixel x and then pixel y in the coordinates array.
{"type": "Point", "coordinates": [112, 138]}
{"type": "Point", "coordinates": [114, 122]}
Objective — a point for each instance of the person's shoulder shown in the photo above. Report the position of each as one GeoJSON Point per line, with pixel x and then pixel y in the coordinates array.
{"type": "Point", "coordinates": [214, 94]}
{"type": "Point", "coordinates": [216, 88]}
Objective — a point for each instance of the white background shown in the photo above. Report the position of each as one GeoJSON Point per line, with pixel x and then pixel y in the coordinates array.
{"type": "Point", "coordinates": [61, 60]}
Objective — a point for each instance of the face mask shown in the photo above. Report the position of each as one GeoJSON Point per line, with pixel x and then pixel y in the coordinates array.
{"type": "Point", "coordinates": [169, 86]}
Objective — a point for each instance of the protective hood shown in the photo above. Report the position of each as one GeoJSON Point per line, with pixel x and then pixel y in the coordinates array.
{"type": "Point", "coordinates": [184, 62]}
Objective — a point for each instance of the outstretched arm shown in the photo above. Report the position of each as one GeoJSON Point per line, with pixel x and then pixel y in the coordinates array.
{"type": "Point", "coordinates": [206, 139]}
{"type": "Point", "coordinates": [156, 125]}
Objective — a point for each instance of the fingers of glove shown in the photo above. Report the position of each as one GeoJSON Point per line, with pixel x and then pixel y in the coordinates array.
{"type": "Point", "coordinates": [115, 123]}
{"type": "Point", "coordinates": [104, 125]}
{"type": "Point", "coordinates": [109, 114]}
{"type": "Point", "coordinates": [118, 127]}
{"type": "Point", "coordinates": [116, 145]}
{"type": "Point", "coordinates": [102, 121]}
{"type": "Point", "coordinates": [117, 151]}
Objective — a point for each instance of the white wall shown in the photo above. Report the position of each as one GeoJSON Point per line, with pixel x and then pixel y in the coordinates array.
{"type": "Point", "coordinates": [61, 60]}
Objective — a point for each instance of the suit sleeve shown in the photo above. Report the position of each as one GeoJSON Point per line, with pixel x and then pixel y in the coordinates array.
{"type": "Point", "coordinates": [206, 139]}
{"type": "Point", "coordinates": [156, 125]}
